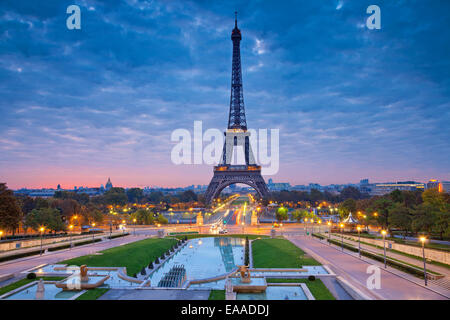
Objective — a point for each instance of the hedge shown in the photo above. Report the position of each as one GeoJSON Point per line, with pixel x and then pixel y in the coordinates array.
{"type": "Point", "coordinates": [65, 246]}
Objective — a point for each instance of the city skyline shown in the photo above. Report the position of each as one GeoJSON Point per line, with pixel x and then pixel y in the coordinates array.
{"type": "Point", "coordinates": [350, 103]}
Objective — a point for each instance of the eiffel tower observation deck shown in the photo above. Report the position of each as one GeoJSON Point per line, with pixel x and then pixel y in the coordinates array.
{"type": "Point", "coordinates": [236, 135]}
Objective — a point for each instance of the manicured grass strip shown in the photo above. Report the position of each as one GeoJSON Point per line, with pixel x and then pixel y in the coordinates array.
{"type": "Point", "coordinates": [201, 235]}
{"type": "Point", "coordinates": [133, 256]}
{"type": "Point", "coordinates": [93, 294]}
{"type": "Point", "coordinates": [217, 295]}
{"type": "Point", "coordinates": [317, 288]}
{"type": "Point", "coordinates": [279, 253]}
{"type": "Point", "coordinates": [22, 282]}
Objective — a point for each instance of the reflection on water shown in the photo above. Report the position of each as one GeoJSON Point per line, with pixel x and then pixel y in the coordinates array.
{"type": "Point", "coordinates": [204, 258]}
{"type": "Point", "coordinates": [51, 293]}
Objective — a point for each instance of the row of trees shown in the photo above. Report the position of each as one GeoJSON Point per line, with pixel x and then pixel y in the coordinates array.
{"type": "Point", "coordinates": [317, 196]}
{"type": "Point", "coordinates": [408, 211]}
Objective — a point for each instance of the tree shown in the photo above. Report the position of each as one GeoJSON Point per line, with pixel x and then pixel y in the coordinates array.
{"type": "Point", "coordinates": [135, 195]}
{"type": "Point", "coordinates": [282, 214]}
{"type": "Point", "coordinates": [49, 218]}
{"type": "Point", "coordinates": [401, 217]}
{"type": "Point", "coordinates": [382, 207]}
{"type": "Point", "coordinates": [161, 219]}
{"type": "Point", "coordinates": [350, 193]}
{"type": "Point", "coordinates": [116, 196]}
{"type": "Point", "coordinates": [10, 211]}
{"type": "Point", "coordinates": [299, 214]}
{"type": "Point", "coordinates": [346, 207]}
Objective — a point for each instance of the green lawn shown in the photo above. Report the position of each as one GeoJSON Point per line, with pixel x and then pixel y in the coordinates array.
{"type": "Point", "coordinates": [201, 235]}
{"type": "Point", "coordinates": [217, 295]}
{"type": "Point", "coordinates": [93, 294]}
{"type": "Point", "coordinates": [317, 288]}
{"type": "Point", "coordinates": [25, 281]}
{"type": "Point", "coordinates": [133, 256]}
{"type": "Point", "coordinates": [279, 253]}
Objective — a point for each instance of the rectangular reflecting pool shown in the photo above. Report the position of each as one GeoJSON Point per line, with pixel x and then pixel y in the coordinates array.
{"type": "Point", "coordinates": [204, 258]}
{"type": "Point", "coordinates": [275, 293]}
{"type": "Point", "coordinates": [51, 293]}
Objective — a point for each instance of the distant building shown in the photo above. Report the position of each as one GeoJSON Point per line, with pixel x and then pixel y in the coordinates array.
{"type": "Point", "coordinates": [442, 186]}
{"type": "Point", "coordinates": [380, 189]}
{"type": "Point", "coordinates": [108, 184]}
{"type": "Point", "coordinates": [278, 186]}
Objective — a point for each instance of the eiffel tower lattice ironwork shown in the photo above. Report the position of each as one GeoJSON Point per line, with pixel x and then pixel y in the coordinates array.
{"type": "Point", "coordinates": [225, 173]}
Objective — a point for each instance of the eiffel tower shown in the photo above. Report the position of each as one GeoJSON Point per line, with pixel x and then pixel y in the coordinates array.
{"type": "Point", "coordinates": [225, 173]}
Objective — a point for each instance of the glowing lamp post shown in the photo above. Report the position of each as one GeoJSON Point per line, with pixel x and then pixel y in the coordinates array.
{"type": "Point", "coordinates": [1, 234]}
{"type": "Point", "coordinates": [134, 226]}
{"type": "Point", "coordinates": [70, 232]}
{"type": "Point", "coordinates": [329, 232]}
{"type": "Point", "coordinates": [359, 240]}
{"type": "Point", "coordinates": [306, 226]}
{"type": "Point", "coordinates": [93, 234]}
{"type": "Point", "coordinates": [383, 232]}
{"type": "Point", "coordinates": [423, 240]}
{"type": "Point", "coordinates": [41, 230]}
{"type": "Point", "coordinates": [342, 235]}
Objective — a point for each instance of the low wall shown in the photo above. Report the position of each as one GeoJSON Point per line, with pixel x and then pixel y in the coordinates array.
{"type": "Point", "coordinates": [434, 255]}
{"type": "Point", "coordinates": [351, 290]}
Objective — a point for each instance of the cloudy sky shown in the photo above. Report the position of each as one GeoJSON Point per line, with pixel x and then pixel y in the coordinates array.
{"type": "Point", "coordinates": [77, 106]}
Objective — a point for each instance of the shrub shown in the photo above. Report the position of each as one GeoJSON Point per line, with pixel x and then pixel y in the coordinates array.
{"type": "Point", "coordinates": [31, 276]}
{"type": "Point", "coordinates": [311, 278]}
{"type": "Point", "coordinates": [157, 261]}
{"type": "Point", "coordinates": [150, 265]}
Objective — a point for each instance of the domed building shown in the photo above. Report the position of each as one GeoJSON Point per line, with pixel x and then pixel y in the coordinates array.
{"type": "Point", "coordinates": [108, 184]}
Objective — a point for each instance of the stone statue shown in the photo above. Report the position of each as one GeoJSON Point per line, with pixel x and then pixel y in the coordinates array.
{"type": "Point", "coordinates": [245, 273]}
{"type": "Point", "coordinates": [83, 273]}
{"type": "Point", "coordinates": [40, 290]}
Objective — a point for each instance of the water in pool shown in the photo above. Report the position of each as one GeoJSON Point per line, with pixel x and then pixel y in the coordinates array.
{"type": "Point", "coordinates": [275, 293]}
{"type": "Point", "coordinates": [204, 258]}
{"type": "Point", "coordinates": [51, 293]}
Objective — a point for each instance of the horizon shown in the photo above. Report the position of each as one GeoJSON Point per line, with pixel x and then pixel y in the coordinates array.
{"type": "Point", "coordinates": [350, 103]}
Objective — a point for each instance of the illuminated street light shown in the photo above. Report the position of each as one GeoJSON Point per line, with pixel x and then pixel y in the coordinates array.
{"type": "Point", "coordinates": [134, 226]}
{"type": "Point", "coordinates": [359, 240]}
{"type": "Point", "coordinates": [41, 230]}
{"type": "Point", "coordinates": [93, 232]}
{"type": "Point", "coordinates": [342, 235]}
{"type": "Point", "coordinates": [383, 232]}
{"type": "Point", "coordinates": [423, 240]}
{"type": "Point", "coordinates": [329, 232]}
{"type": "Point", "coordinates": [70, 232]}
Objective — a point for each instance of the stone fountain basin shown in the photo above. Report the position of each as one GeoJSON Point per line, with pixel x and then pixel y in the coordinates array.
{"type": "Point", "coordinates": [74, 282]}
{"type": "Point", "coordinates": [256, 285]}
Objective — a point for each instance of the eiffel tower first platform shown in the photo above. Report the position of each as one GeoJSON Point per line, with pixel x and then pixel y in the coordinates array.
{"type": "Point", "coordinates": [225, 173]}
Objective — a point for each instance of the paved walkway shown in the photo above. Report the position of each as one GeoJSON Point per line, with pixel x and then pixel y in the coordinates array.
{"type": "Point", "coordinates": [155, 294]}
{"type": "Point", "coordinates": [354, 270]}
{"type": "Point", "coordinates": [17, 266]}
{"type": "Point", "coordinates": [416, 262]}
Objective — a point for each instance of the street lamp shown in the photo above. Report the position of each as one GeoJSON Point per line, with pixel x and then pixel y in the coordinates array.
{"type": "Point", "coordinates": [1, 234]}
{"type": "Point", "coordinates": [41, 230]}
{"type": "Point", "coordinates": [70, 232]}
{"type": "Point", "coordinates": [383, 232]}
{"type": "Point", "coordinates": [359, 240]}
{"type": "Point", "coordinates": [134, 226]}
{"type": "Point", "coordinates": [342, 236]}
{"type": "Point", "coordinates": [423, 239]}
{"type": "Point", "coordinates": [93, 234]}
{"type": "Point", "coordinates": [243, 227]}
{"type": "Point", "coordinates": [329, 232]}
{"type": "Point", "coordinates": [306, 226]}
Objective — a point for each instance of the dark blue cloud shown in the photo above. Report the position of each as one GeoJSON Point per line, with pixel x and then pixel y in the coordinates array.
{"type": "Point", "coordinates": [372, 102]}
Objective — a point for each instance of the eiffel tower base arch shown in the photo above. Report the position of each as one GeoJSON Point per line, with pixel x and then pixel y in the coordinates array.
{"type": "Point", "coordinates": [223, 179]}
